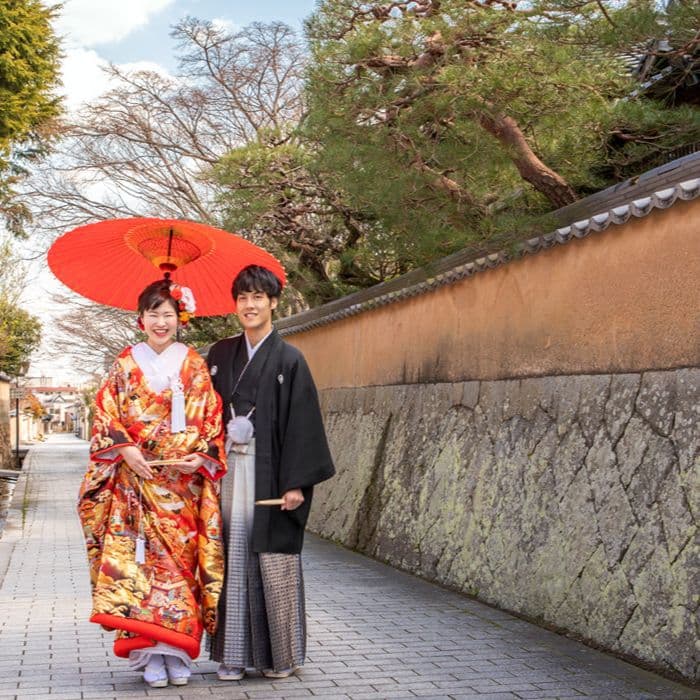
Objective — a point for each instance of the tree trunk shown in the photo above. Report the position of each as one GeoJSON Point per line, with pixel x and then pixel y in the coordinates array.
{"type": "Point", "coordinates": [531, 168]}
{"type": "Point", "coordinates": [439, 181]}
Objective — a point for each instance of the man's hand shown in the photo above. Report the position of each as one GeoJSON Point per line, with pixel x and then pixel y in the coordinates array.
{"type": "Point", "coordinates": [133, 456]}
{"type": "Point", "coordinates": [189, 464]}
{"type": "Point", "coordinates": [292, 499]}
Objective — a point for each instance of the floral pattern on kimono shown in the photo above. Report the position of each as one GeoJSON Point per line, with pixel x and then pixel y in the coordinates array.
{"type": "Point", "coordinates": [173, 596]}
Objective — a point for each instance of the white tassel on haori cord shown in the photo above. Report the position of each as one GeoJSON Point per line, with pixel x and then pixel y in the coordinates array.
{"type": "Point", "coordinates": [177, 418]}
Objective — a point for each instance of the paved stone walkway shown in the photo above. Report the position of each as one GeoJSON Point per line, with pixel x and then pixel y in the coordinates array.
{"type": "Point", "coordinates": [374, 632]}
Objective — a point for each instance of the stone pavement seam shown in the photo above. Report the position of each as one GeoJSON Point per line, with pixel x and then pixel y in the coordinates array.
{"type": "Point", "coordinates": [373, 632]}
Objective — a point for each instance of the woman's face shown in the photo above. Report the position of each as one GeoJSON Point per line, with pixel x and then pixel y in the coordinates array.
{"type": "Point", "coordinates": [160, 326]}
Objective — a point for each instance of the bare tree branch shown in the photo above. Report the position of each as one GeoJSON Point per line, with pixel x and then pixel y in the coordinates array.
{"type": "Point", "coordinates": [91, 333]}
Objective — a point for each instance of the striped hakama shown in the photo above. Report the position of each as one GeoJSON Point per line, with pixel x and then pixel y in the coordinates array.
{"type": "Point", "coordinates": [262, 620]}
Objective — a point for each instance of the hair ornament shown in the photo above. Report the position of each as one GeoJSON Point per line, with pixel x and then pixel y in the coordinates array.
{"type": "Point", "coordinates": [185, 302]}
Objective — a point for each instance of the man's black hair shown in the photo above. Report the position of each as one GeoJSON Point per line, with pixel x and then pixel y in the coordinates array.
{"type": "Point", "coordinates": [256, 279]}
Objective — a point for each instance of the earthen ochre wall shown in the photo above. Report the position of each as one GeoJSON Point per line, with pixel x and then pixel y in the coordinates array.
{"type": "Point", "coordinates": [529, 435]}
{"type": "Point", "coordinates": [626, 299]}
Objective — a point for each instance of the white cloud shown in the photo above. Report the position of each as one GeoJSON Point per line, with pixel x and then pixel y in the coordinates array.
{"type": "Point", "coordinates": [84, 78]}
{"type": "Point", "coordinates": [225, 25]}
{"type": "Point", "coordinates": [94, 22]}
{"type": "Point", "coordinates": [135, 66]}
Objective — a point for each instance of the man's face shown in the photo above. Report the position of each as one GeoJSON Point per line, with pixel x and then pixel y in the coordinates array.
{"type": "Point", "coordinates": [254, 310]}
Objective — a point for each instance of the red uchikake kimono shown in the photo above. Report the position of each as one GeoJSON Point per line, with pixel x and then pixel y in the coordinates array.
{"type": "Point", "coordinates": [173, 595]}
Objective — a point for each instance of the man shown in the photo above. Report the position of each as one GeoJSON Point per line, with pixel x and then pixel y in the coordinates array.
{"type": "Point", "coordinates": [265, 382]}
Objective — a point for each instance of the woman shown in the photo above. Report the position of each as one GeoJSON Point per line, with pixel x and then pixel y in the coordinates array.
{"type": "Point", "coordinates": [153, 531]}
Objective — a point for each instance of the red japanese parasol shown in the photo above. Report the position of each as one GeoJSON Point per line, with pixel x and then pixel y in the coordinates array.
{"type": "Point", "coordinates": [112, 261]}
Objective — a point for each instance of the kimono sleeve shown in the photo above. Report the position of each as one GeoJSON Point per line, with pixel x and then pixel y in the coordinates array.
{"type": "Point", "coordinates": [210, 445]}
{"type": "Point", "coordinates": [210, 553]}
{"type": "Point", "coordinates": [108, 429]}
{"type": "Point", "coordinates": [305, 458]}
{"type": "Point", "coordinates": [95, 498]}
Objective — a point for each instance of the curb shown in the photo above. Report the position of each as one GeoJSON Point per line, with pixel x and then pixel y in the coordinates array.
{"type": "Point", "coordinates": [14, 524]}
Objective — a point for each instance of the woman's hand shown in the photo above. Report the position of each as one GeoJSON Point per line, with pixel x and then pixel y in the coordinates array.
{"type": "Point", "coordinates": [133, 456]}
{"type": "Point", "coordinates": [292, 499]}
{"type": "Point", "coordinates": [189, 464]}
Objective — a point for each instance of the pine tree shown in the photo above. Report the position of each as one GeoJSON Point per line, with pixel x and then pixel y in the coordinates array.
{"type": "Point", "coordinates": [29, 75]}
{"type": "Point", "coordinates": [452, 122]}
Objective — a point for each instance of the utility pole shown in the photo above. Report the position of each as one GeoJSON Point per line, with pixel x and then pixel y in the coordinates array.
{"type": "Point", "coordinates": [16, 394]}
{"type": "Point", "coordinates": [19, 394]}
{"type": "Point", "coordinates": [17, 464]}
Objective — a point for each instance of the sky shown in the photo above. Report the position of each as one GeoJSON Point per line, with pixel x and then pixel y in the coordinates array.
{"type": "Point", "coordinates": [136, 34]}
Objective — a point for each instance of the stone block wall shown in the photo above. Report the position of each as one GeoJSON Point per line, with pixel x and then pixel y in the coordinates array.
{"type": "Point", "coordinates": [572, 500]}
{"type": "Point", "coordinates": [524, 427]}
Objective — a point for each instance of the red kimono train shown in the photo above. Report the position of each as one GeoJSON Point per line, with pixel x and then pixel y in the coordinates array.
{"type": "Point", "coordinates": [171, 597]}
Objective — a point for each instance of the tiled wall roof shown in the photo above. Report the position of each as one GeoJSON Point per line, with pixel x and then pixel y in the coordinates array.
{"type": "Point", "coordinates": [456, 267]}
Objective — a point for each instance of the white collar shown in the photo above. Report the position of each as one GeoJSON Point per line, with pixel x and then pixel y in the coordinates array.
{"type": "Point", "coordinates": [159, 369]}
{"type": "Point", "coordinates": [252, 350]}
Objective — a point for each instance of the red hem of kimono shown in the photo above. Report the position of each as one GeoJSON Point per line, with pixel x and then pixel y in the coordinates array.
{"type": "Point", "coordinates": [148, 635]}
{"type": "Point", "coordinates": [221, 470]}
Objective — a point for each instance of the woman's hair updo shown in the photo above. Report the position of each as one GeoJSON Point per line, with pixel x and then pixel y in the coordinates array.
{"type": "Point", "coordinates": [154, 295]}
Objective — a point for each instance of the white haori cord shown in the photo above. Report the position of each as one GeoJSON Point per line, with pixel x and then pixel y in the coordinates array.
{"type": "Point", "coordinates": [239, 430]}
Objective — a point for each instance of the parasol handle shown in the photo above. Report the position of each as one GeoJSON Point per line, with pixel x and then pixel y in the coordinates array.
{"type": "Point", "coordinates": [168, 267]}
